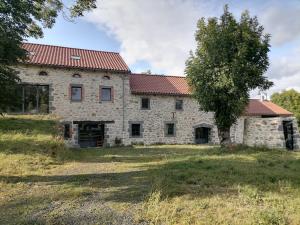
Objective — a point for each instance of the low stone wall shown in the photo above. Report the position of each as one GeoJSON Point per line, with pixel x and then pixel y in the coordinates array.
{"type": "Point", "coordinates": [268, 132]}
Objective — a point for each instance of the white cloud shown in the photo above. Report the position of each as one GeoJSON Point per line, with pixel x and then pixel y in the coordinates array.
{"type": "Point", "coordinates": [282, 21]}
{"type": "Point", "coordinates": [285, 71]}
{"type": "Point", "coordinates": [159, 32]}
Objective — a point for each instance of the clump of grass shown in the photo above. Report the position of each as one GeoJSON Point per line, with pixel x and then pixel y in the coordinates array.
{"type": "Point", "coordinates": [271, 217]}
{"type": "Point", "coordinates": [29, 143]}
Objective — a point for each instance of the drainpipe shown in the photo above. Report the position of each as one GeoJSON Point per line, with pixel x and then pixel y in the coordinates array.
{"type": "Point", "coordinates": [123, 108]}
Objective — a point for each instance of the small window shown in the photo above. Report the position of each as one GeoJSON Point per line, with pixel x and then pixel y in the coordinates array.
{"type": "Point", "coordinates": [106, 78]}
{"type": "Point", "coordinates": [75, 57]}
{"type": "Point", "coordinates": [170, 129]}
{"type": "Point", "coordinates": [67, 131]}
{"type": "Point", "coordinates": [179, 104]}
{"type": "Point", "coordinates": [135, 130]}
{"type": "Point", "coordinates": [106, 94]}
{"type": "Point", "coordinates": [145, 103]}
{"type": "Point", "coordinates": [76, 75]}
{"type": "Point", "coordinates": [43, 73]}
{"type": "Point", "coordinates": [76, 93]}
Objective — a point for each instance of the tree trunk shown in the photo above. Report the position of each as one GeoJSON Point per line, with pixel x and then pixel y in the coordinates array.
{"type": "Point", "coordinates": [224, 136]}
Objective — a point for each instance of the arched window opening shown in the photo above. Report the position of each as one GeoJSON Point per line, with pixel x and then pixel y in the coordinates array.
{"type": "Point", "coordinates": [76, 75]}
{"type": "Point", "coordinates": [43, 73]}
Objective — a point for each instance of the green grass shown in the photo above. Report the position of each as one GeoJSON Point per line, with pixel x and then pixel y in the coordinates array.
{"type": "Point", "coordinates": [42, 182]}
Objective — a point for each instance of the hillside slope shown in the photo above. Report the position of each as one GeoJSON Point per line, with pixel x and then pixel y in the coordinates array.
{"type": "Point", "coordinates": [42, 182]}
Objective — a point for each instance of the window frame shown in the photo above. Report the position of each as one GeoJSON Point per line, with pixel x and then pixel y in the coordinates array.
{"type": "Point", "coordinates": [140, 123]}
{"type": "Point", "coordinates": [166, 129]}
{"type": "Point", "coordinates": [22, 102]}
{"type": "Point", "coordinates": [149, 103]}
{"type": "Point", "coordinates": [111, 93]}
{"type": "Point", "coordinates": [178, 109]}
{"type": "Point", "coordinates": [81, 92]}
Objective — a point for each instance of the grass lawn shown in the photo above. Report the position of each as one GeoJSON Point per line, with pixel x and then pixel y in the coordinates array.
{"type": "Point", "coordinates": [42, 182]}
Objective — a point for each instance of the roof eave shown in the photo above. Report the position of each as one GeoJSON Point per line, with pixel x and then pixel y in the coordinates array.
{"type": "Point", "coordinates": [263, 114]}
{"type": "Point", "coordinates": [159, 93]}
{"type": "Point", "coordinates": [76, 67]}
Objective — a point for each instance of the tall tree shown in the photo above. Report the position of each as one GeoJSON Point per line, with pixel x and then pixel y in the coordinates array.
{"type": "Point", "coordinates": [289, 100]}
{"type": "Point", "coordinates": [20, 19]}
{"type": "Point", "coordinates": [229, 61]}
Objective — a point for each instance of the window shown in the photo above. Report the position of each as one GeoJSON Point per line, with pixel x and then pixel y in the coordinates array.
{"type": "Point", "coordinates": [145, 103]}
{"type": "Point", "coordinates": [170, 129]}
{"type": "Point", "coordinates": [75, 57]}
{"type": "Point", "coordinates": [43, 73]}
{"type": "Point", "coordinates": [31, 99]}
{"type": "Point", "coordinates": [76, 93]}
{"type": "Point", "coordinates": [67, 131]}
{"type": "Point", "coordinates": [135, 130]}
{"type": "Point", "coordinates": [179, 104]}
{"type": "Point", "coordinates": [106, 94]}
{"type": "Point", "coordinates": [76, 75]}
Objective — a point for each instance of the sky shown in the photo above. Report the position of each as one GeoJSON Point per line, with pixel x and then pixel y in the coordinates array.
{"type": "Point", "coordinates": [158, 35]}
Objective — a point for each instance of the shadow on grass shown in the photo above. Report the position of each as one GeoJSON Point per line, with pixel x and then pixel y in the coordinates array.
{"type": "Point", "coordinates": [198, 176]}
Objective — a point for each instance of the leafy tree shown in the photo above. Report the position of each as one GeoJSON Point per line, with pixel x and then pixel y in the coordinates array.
{"type": "Point", "coordinates": [289, 100]}
{"type": "Point", "coordinates": [229, 61]}
{"type": "Point", "coordinates": [20, 19]}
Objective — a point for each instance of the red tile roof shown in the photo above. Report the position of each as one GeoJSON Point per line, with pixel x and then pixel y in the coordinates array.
{"type": "Point", "coordinates": [158, 84]}
{"type": "Point", "coordinates": [257, 107]}
{"type": "Point", "coordinates": [61, 57]}
{"type": "Point", "coordinates": [174, 85]}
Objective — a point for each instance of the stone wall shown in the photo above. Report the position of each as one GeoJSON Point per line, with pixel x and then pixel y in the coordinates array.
{"type": "Point", "coordinates": [162, 110]}
{"type": "Point", "coordinates": [90, 108]}
{"type": "Point", "coordinates": [268, 132]}
{"type": "Point", "coordinates": [237, 131]}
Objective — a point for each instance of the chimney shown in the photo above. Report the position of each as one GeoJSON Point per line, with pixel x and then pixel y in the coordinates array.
{"type": "Point", "coordinates": [263, 96]}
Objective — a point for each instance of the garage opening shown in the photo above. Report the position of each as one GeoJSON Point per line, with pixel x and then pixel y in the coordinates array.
{"type": "Point", "coordinates": [202, 135]}
{"type": "Point", "coordinates": [288, 134]}
{"type": "Point", "coordinates": [91, 134]}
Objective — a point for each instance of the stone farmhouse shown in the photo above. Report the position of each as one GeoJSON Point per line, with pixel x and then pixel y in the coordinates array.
{"type": "Point", "coordinates": [101, 103]}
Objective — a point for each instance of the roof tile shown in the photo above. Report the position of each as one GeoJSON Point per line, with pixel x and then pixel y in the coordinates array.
{"type": "Point", "coordinates": [257, 107]}
{"type": "Point", "coordinates": [61, 56]}
{"type": "Point", "coordinates": [158, 84]}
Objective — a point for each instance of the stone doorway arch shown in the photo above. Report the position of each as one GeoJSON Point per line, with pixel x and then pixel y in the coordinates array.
{"type": "Point", "coordinates": [202, 133]}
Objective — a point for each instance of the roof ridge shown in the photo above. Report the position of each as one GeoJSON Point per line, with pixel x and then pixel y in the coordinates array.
{"type": "Point", "coordinates": [158, 75]}
{"type": "Point", "coordinates": [59, 46]}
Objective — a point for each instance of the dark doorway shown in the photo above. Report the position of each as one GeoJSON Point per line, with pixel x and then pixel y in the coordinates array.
{"type": "Point", "coordinates": [288, 134]}
{"type": "Point", "coordinates": [202, 135]}
{"type": "Point", "coordinates": [90, 134]}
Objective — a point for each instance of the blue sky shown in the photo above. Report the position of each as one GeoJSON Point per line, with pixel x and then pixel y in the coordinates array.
{"type": "Point", "coordinates": [158, 35]}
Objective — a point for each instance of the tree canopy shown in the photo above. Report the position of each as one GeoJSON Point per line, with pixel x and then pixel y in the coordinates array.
{"type": "Point", "coordinates": [18, 21]}
{"type": "Point", "coordinates": [289, 100]}
{"type": "Point", "coordinates": [230, 60]}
